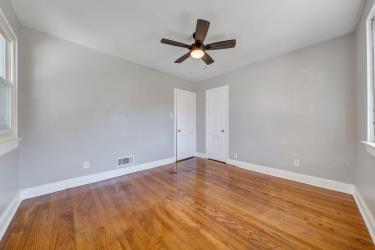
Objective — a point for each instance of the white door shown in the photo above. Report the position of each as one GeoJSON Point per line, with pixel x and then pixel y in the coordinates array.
{"type": "Point", "coordinates": [185, 124]}
{"type": "Point", "coordinates": [216, 123]}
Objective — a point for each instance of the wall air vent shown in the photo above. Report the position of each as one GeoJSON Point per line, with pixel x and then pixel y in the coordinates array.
{"type": "Point", "coordinates": [125, 161]}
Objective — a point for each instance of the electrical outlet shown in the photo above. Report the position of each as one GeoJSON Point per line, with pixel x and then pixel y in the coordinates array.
{"type": "Point", "coordinates": [296, 162]}
{"type": "Point", "coordinates": [235, 155]}
{"type": "Point", "coordinates": [171, 115]}
{"type": "Point", "coordinates": [86, 164]}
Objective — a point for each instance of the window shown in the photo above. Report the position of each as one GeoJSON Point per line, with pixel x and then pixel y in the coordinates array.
{"type": "Point", "coordinates": [370, 32]}
{"type": "Point", "coordinates": [371, 86]}
{"type": "Point", "coordinates": [8, 82]}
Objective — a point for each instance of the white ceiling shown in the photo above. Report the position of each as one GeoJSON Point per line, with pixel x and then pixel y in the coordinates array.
{"type": "Point", "coordinates": [132, 29]}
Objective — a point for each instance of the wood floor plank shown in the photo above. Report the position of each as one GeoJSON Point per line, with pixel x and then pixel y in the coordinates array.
{"type": "Point", "coordinates": [63, 233]}
{"type": "Point", "coordinates": [293, 212]}
{"type": "Point", "coordinates": [194, 204]}
{"type": "Point", "coordinates": [20, 226]}
{"type": "Point", "coordinates": [82, 225]}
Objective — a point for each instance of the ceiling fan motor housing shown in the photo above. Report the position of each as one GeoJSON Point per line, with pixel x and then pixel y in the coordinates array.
{"type": "Point", "coordinates": [197, 46]}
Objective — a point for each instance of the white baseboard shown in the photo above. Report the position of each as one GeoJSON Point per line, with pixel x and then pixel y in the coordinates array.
{"type": "Point", "coordinates": [365, 212]}
{"type": "Point", "coordinates": [319, 182]}
{"type": "Point", "coordinates": [307, 179]}
{"type": "Point", "coordinates": [8, 214]}
{"type": "Point", "coordinates": [84, 180]}
{"type": "Point", "coordinates": [26, 193]}
{"type": "Point", "coordinates": [201, 155]}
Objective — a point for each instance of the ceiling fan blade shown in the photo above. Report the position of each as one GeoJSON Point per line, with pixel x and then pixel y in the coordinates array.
{"type": "Point", "coordinates": [201, 30]}
{"type": "Point", "coordinates": [183, 58]}
{"type": "Point", "coordinates": [174, 43]}
{"type": "Point", "coordinates": [221, 45]}
{"type": "Point", "coordinates": [207, 59]}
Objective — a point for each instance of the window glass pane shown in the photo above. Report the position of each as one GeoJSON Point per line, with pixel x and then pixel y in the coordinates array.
{"type": "Point", "coordinates": [4, 107]}
{"type": "Point", "coordinates": [2, 56]}
{"type": "Point", "coordinates": [371, 95]}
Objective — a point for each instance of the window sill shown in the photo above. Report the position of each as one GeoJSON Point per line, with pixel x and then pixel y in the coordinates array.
{"type": "Point", "coordinates": [8, 146]}
{"type": "Point", "coordinates": [370, 147]}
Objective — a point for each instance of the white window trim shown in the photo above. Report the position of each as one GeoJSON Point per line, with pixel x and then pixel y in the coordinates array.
{"type": "Point", "coordinates": [9, 138]}
{"type": "Point", "coordinates": [8, 146]}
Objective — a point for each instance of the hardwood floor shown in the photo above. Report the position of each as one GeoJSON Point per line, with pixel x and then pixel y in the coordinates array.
{"type": "Point", "coordinates": [204, 205]}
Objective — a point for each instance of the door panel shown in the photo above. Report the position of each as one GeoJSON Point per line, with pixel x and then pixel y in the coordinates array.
{"type": "Point", "coordinates": [216, 111]}
{"type": "Point", "coordinates": [185, 124]}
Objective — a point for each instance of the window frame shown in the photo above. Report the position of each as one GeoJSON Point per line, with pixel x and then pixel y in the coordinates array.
{"type": "Point", "coordinates": [9, 137]}
{"type": "Point", "coordinates": [370, 109]}
{"type": "Point", "coordinates": [371, 84]}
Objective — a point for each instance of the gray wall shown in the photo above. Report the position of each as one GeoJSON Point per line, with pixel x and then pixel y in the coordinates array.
{"type": "Point", "coordinates": [9, 178]}
{"type": "Point", "coordinates": [9, 167]}
{"type": "Point", "coordinates": [79, 104]}
{"type": "Point", "coordinates": [299, 105]}
{"type": "Point", "coordinates": [9, 12]}
{"type": "Point", "coordinates": [365, 165]}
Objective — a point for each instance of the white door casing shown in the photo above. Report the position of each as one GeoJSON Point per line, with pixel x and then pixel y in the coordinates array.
{"type": "Point", "coordinates": [185, 117]}
{"type": "Point", "coordinates": [217, 123]}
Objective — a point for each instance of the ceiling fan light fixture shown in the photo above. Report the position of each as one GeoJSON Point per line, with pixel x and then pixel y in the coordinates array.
{"type": "Point", "coordinates": [197, 53]}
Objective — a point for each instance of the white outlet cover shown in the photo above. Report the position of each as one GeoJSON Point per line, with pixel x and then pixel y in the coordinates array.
{"type": "Point", "coordinates": [235, 155]}
{"type": "Point", "coordinates": [296, 162]}
{"type": "Point", "coordinates": [86, 164]}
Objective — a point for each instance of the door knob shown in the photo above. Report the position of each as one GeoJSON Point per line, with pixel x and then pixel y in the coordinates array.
{"type": "Point", "coordinates": [179, 130]}
{"type": "Point", "coordinates": [222, 130]}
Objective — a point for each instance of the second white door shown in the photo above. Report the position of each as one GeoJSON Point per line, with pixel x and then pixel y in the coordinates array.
{"type": "Point", "coordinates": [185, 124]}
{"type": "Point", "coordinates": [216, 123]}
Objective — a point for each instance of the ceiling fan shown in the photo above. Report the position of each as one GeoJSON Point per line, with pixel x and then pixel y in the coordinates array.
{"type": "Point", "coordinates": [198, 49]}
